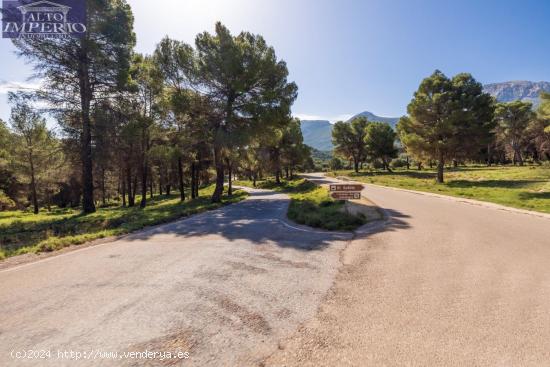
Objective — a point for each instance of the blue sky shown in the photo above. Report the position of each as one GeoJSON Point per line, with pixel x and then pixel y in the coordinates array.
{"type": "Point", "coordinates": [349, 56]}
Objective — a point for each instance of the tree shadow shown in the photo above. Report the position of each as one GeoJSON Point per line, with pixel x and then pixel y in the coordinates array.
{"type": "Point", "coordinates": [259, 220]}
{"type": "Point", "coordinates": [320, 179]}
{"type": "Point", "coordinates": [544, 195]}
{"type": "Point", "coordinates": [506, 184]}
{"type": "Point", "coordinates": [410, 174]}
{"type": "Point", "coordinates": [394, 221]}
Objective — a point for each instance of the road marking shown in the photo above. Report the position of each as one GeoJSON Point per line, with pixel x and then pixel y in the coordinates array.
{"type": "Point", "coordinates": [315, 231]}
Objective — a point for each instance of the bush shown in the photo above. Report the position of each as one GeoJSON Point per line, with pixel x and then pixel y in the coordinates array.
{"type": "Point", "coordinates": [398, 163]}
{"type": "Point", "coordinates": [312, 206]}
{"type": "Point", "coordinates": [336, 164]}
{"type": "Point", "coordinates": [5, 202]}
{"type": "Point", "coordinates": [377, 164]}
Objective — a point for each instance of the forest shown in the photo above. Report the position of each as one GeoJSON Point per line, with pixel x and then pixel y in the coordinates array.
{"type": "Point", "coordinates": [112, 127]}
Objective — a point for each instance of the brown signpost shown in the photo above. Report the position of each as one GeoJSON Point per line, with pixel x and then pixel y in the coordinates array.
{"type": "Point", "coordinates": [346, 188]}
{"type": "Point", "coordinates": [346, 195]}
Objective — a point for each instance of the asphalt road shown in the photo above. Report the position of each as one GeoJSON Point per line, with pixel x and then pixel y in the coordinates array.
{"type": "Point", "coordinates": [224, 286]}
{"type": "Point", "coordinates": [445, 283]}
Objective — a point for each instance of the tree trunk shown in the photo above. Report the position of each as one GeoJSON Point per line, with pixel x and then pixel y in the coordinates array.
{"type": "Point", "coordinates": [408, 163]}
{"type": "Point", "coordinates": [218, 161]}
{"type": "Point", "coordinates": [160, 180]}
{"type": "Point", "coordinates": [144, 165]}
{"type": "Point", "coordinates": [386, 165]}
{"type": "Point", "coordinates": [131, 201]}
{"type": "Point", "coordinates": [134, 187]}
{"type": "Point", "coordinates": [440, 168]}
{"type": "Point", "coordinates": [356, 165]}
{"type": "Point", "coordinates": [230, 185]}
{"type": "Point", "coordinates": [193, 179]}
{"type": "Point", "coordinates": [180, 179]}
{"type": "Point", "coordinates": [517, 156]}
{"type": "Point", "coordinates": [419, 166]}
{"type": "Point", "coordinates": [33, 186]}
{"type": "Point", "coordinates": [88, 205]}
{"type": "Point", "coordinates": [103, 201]}
{"type": "Point", "coordinates": [278, 177]}
{"type": "Point", "coordinates": [254, 178]}
{"type": "Point", "coordinates": [123, 186]}
{"type": "Point", "coordinates": [151, 189]}
{"type": "Point", "coordinates": [144, 170]}
{"type": "Point", "coordinates": [197, 178]}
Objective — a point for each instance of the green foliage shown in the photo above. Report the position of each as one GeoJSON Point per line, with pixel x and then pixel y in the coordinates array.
{"type": "Point", "coordinates": [314, 208]}
{"type": "Point", "coordinates": [35, 149]}
{"type": "Point", "coordinates": [448, 119]}
{"type": "Point", "coordinates": [544, 107]}
{"type": "Point", "coordinates": [22, 232]}
{"type": "Point", "coordinates": [5, 202]}
{"type": "Point", "coordinates": [380, 140]}
{"type": "Point", "coordinates": [8, 179]}
{"type": "Point", "coordinates": [513, 119]}
{"type": "Point", "coordinates": [336, 164]}
{"type": "Point", "coordinates": [542, 124]}
{"type": "Point", "coordinates": [243, 82]}
{"type": "Point", "coordinates": [81, 74]}
{"type": "Point", "coordinates": [349, 140]}
{"type": "Point", "coordinates": [519, 187]}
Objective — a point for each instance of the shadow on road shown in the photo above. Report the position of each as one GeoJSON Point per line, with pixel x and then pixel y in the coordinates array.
{"type": "Point", "coordinates": [260, 220]}
{"type": "Point", "coordinates": [394, 220]}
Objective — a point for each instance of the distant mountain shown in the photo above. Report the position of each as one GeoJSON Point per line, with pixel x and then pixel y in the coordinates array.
{"type": "Point", "coordinates": [318, 133]}
{"type": "Point", "coordinates": [517, 90]}
{"type": "Point", "coordinates": [372, 117]}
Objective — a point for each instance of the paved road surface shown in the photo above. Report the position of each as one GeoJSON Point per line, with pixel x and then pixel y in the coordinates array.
{"type": "Point", "coordinates": [224, 286]}
{"type": "Point", "coordinates": [444, 284]}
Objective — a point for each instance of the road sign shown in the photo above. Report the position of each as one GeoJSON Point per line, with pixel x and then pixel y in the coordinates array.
{"type": "Point", "coordinates": [346, 188]}
{"type": "Point", "coordinates": [346, 195]}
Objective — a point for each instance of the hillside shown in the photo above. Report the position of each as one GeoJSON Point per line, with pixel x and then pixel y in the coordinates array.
{"type": "Point", "coordinates": [517, 90]}
{"type": "Point", "coordinates": [372, 117]}
{"type": "Point", "coordinates": [318, 133]}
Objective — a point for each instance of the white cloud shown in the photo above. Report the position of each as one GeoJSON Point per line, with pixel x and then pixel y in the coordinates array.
{"type": "Point", "coordinates": [6, 86]}
{"type": "Point", "coordinates": [332, 119]}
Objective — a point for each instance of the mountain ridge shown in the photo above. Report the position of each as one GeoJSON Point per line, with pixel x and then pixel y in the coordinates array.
{"type": "Point", "coordinates": [318, 133]}
{"type": "Point", "coordinates": [515, 90]}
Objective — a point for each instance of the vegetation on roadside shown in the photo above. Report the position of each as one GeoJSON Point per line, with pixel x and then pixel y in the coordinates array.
{"type": "Point", "coordinates": [519, 187]}
{"type": "Point", "coordinates": [312, 205]}
{"type": "Point", "coordinates": [24, 232]}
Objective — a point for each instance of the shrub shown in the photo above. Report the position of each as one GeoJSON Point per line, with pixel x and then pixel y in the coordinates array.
{"type": "Point", "coordinates": [5, 202]}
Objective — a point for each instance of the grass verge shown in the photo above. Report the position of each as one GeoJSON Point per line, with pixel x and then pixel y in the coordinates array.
{"type": "Point", "coordinates": [519, 187]}
{"type": "Point", "coordinates": [312, 205]}
{"type": "Point", "coordinates": [24, 232]}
